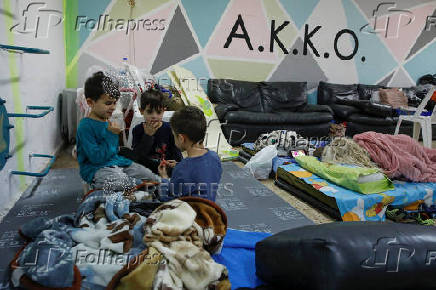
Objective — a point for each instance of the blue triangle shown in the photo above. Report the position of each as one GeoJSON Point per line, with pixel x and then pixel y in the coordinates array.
{"type": "Point", "coordinates": [378, 59]}
{"type": "Point", "coordinates": [202, 22]}
{"type": "Point", "coordinates": [200, 71]}
{"type": "Point", "coordinates": [298, 10]}
{"type": "Point", "coordinates": [421, 63]}
{"type": "Point", "coordinates": [92, 10]}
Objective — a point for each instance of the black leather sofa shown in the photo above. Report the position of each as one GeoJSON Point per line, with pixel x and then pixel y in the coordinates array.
{"type": "Point", "coordinates": [351, 104]}
{"type": "Point", "coordinates": [248, 109]}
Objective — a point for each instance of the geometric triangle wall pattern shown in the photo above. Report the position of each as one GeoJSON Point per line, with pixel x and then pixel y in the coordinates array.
{"type": "Point", "coordinates": [177, 45]}
{"type": "Point", "coordinates": [204, 22]}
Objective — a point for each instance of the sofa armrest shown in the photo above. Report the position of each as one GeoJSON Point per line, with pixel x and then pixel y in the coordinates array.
{"type": "Point", "coordinates": [222, 109]}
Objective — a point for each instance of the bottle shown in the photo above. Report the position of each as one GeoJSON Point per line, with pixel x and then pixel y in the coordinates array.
{"type": "Point", "coordinates": [125, 65]}
{"type": "Point", "coordinates": [123, 75]}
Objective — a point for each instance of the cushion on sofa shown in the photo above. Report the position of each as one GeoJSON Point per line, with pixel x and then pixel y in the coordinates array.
{"type": "Point", "coordinates": [328, 92]}
{"type": "Point", "coordinates": [246, 117]}
{"type": "Point", "coordinates": [316, 108]}
{"type": "Point", "coordinates": [222, 109]}
{"type": "Point", "coordinates": [372, 120]}
{"type": "Point", "coordinates": [241, 93]}
{"type": "Point", "coordinates": [283, 96]}
{"type": "Point", "coordinates": [264, 97]}
{"type": "Point", "coordinates": [343, 112]}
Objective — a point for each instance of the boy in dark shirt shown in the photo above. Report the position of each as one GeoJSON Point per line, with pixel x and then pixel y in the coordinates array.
{"type": "Point", "coordinates": [200, 172]}
{"type": "Point", "coordinates": [153, 140]}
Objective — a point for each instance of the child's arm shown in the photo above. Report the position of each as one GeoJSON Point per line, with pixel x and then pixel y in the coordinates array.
{"type": "Point", "coordinates": [179, 185]}
{"type": "Point", "coordinates": [97, 152]}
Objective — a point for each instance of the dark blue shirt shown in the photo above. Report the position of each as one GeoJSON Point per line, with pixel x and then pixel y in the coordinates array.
{"type": "Point", "coordinates": [97, 147]}
{"type": "Point", "coordinates": [194, 176]}
{"type": "Point", "coordinates": [149, 150]}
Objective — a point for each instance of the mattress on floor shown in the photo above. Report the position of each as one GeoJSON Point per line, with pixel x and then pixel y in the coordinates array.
{"type": "Point", "coordinates": [352, 205]}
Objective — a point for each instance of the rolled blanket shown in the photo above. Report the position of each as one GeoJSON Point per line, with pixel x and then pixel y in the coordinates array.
{"type": "Point", "coordinates": [400, 156]}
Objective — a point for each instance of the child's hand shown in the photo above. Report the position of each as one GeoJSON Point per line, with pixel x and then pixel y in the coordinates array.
{"type": "Point", "coordinates": [162, 169]}
{"type": "Point", "coordinates": [171, 163]}
{"type": "Point", "coordinates": [150, 128]}
{"type": "Point", "coordinates": [114, 128]}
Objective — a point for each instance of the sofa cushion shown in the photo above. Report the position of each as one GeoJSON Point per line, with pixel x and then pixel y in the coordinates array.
{"type": "Point", "coordinates": [222, 109]}
{"type": "Point", "coordinates": [329, 93]}
{"type": "Point", "coordinates": [277, 117]}
{"type": "Point", "coordinates": [372, 120]}
{"type": "Point", "coordinates": [244, 94]}
{"type": "Point", "coordinates": [283, 96]}
{"type": "Point", "coordinates": [378, 110]}
{"type": "Point", "coordinates": [342, 112]}
{"type": "Point", "coordinates": [316, 108]}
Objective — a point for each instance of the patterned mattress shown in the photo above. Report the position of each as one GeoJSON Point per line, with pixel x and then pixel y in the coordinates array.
{"type": "Point", "coordinates": [351, 205]}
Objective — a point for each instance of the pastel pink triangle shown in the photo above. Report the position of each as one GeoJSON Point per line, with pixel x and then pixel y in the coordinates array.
{"type": "Point", "coordinates": [258, 29]}
{"type": "Point", "coordinates": [114, 46]}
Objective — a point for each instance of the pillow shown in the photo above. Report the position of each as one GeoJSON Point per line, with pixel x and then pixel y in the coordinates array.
{"type": "Point", "coordinates": [393, 97]}
{"type": "Point", "coordinates": [366, 91]}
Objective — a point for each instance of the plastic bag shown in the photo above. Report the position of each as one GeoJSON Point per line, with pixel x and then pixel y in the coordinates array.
{"type": "Point", "coordinates": [260, 165]}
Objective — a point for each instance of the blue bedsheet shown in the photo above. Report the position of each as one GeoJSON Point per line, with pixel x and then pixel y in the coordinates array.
{"type": "Point", "coordinates": [354, 206]}
{"type": "Point", "coordinates": [239, 257]}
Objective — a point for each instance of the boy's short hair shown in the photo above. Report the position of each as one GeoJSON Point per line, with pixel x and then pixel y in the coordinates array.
{"type": "Point", "coordinates": [99, 84]}
{"type": "Point", "coordinates": [189, 121]}
{"type": "Point", "coordinates": [154, 98]}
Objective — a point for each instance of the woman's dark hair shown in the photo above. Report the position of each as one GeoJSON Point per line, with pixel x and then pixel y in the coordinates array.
{"type": "Point", "coordinates": [189, 121]}
{"type": "Point", "coordinates": [99, 84]}
{"type": "Point", "coordinates": [154, 98]}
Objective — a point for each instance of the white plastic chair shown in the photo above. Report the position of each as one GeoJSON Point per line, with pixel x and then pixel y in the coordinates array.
{"type": "Point", "coordinates": [423, 123]}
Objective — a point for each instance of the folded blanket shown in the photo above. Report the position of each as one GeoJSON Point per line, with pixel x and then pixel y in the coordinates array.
{"type": "Point", "coordinates": [363, 180]}
{"type": "Point", "coordinates": [400, 156]}
{"type": "Point", "coordinates": [212, 221]}
{"type": "Point", "coordinates": [173, 231]}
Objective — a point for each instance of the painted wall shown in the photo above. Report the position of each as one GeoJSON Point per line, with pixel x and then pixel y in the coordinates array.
{"type": "Point", "coordinates": [30, 79]}
{"type": "Point", "coordinates": [343, 41]}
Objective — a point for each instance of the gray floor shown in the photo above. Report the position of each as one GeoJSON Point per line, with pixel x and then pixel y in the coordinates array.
{"type": "Point", "coordinates": [251, 206]}
{"type": "Point", "coordinates": [59, 192]}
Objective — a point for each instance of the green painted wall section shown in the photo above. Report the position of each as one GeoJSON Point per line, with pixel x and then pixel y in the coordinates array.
{"type": "Point", "coordinates": [71, 42]}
